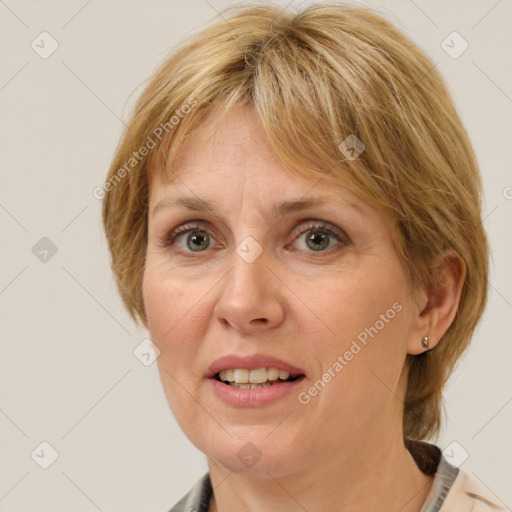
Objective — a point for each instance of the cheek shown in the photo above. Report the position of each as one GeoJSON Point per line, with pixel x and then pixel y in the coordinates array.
{"type": "Point", "coordinates": [364, 317]}
{"type": "Point", "coordinates": [176, 324]}
{"type": "Point", "coordinates": [345, 306]}
{"type": "Point", "coordinates": [174, 311]}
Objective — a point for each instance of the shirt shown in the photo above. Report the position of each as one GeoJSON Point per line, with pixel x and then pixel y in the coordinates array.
{"type": "Point", "coordinates": [452, 490]}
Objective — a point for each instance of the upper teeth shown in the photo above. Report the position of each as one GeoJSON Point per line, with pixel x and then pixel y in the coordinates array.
{"type": "Point", "coordinates": [243, 376]}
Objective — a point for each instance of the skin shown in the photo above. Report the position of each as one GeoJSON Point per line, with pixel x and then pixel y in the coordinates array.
{"type": "Point", "coordinates": [297, 304]}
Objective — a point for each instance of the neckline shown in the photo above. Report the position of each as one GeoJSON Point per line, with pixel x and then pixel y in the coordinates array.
{"type": "Point", "coordinates": [444, 478]}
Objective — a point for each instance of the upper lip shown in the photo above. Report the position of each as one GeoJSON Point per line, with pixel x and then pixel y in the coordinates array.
{"type": "Point", "coordinates": [251, 362]}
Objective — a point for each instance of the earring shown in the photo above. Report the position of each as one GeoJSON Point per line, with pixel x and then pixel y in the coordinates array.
{"type": "Point", "coordinates": [425, 341]}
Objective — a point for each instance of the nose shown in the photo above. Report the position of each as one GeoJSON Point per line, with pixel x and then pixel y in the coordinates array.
{"type": "Point", "coordinates": [250, 299]}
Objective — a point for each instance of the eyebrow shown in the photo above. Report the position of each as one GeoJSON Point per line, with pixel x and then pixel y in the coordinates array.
{"type": "Point", "coordinates": [282, 208]}
{"type": "Point", "coordinates": [192, 203]}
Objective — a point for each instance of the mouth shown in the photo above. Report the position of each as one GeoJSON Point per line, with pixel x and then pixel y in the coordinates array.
{"type": "Point", "coordinates": [258, 378]}
{"type": "Point", "coordinates": [255, 380]}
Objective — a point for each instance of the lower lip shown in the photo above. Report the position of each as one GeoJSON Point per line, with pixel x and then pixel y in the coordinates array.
{"type": "Point", "coordinates": [254, 397]}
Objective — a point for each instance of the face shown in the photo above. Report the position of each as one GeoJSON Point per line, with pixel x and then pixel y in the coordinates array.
{"type": "Point", "coordinates": [279, 305]}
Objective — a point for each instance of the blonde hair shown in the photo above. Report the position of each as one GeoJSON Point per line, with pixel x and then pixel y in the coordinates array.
{"type": "Point", "coordinates": [314, 78]}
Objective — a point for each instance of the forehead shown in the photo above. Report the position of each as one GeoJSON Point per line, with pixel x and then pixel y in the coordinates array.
{"type": "Point", "coordinates": [231, 152]}
{"type": "Point", "coordinates": [229, 171]}
{"type": "Point", "coordinates": [235, 140]}
{"type": "Point", "coordinates": [230, 165]}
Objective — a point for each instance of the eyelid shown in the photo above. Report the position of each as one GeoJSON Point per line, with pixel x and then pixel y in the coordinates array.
{"type": "Point", "coordinates": [194, 225]}
{"type": "Point", "coordinates": [311, 224]}
{"type": "Point", "coordinates": [321, 225]}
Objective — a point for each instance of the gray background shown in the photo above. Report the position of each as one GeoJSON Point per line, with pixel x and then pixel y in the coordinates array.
{"type": "Point", "coordinates": [68, 373]}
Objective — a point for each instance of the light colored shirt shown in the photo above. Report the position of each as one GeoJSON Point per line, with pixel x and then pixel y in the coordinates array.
{"type": "Point", "coordinates": [452, 490]}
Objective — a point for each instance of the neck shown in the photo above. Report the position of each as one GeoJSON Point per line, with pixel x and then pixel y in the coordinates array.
{"type": "Point", "coordinates": [378, 477]}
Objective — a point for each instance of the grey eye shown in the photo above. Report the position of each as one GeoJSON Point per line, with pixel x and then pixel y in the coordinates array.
{"type": "Point", "coordinates": [198, 240]}
{"type": "Point", "coordinates": [317, 240]}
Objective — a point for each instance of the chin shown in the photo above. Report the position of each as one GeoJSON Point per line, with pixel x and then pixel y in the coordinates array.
{"type": "Point", "coordinates": [252, 452]}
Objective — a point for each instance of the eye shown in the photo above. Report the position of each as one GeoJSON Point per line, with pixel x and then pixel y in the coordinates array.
{"type": "Point", "coordinates": [190, 238]}
{"type": "Point", "coordinates": [320, 236]}
{"type": "Point", "coordinates": [197, 240]}
{"type": "Point", "coordinates": [315, 237]}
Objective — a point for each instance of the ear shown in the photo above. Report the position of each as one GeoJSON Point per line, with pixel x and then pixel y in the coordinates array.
{"type": "Point", "coordinates": [438, 303]}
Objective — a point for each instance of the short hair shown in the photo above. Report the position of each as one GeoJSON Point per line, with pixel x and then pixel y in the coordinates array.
{"type": "Point", "coordinates": [314, 78]}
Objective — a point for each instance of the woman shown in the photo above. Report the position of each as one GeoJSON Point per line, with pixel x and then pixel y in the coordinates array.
{"type": "Point", "coordinates": [294, 214]}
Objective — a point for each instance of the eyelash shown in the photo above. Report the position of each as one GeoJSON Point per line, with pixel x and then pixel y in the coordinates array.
{"type": "Point", "coordinates": [325, 227]}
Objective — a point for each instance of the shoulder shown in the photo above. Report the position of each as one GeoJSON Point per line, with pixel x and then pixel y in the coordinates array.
{"type": "Point", "coordinates": [453, 490]}
{"type": "Point", "coordinates": [197, 499]}
{"type": "Point", "coordinates": [469, 494]}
